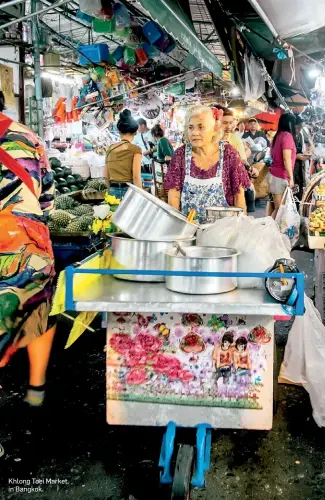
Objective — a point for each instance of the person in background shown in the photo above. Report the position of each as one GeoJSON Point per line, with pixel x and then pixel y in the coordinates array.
{"type": "Point", "coordinates": [207, 171]}
{"type": "Point", "coordinates": [165, 150]}
{"type": "Point", "coordinates": [283, 153]}
{"type": "Point", "coordinates": [145, 141]}
{"type": "Point", "coordinates": [301, 159]}
{"type": "Point", "coordinates": [270, 135]}
{"type": "Point", "coordinates": [26, 256]}
{"type": "Point", "coordinates": [253, 131]}
{"type": "Point", "coordinates": [123, 159]}
{"type": "Point", "coordinates": [228, 124]}
{"type": "Point", "coordinates": [240, 129]}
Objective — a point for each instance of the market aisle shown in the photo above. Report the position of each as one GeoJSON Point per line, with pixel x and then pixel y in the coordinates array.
{"type": "Point", "coordinates": [101, 463]}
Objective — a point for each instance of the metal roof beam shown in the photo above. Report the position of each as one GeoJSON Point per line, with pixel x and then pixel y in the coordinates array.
{"type": "Point", "coordinates": [33, 14]}
{"type": "Point", "coordinates": [69, 15]}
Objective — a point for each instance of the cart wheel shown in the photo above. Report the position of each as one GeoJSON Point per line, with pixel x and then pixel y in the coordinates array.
{"type": "Point", "coordinates": [183, 473]}
{"type": "Point", "coordinates": [275, 380]}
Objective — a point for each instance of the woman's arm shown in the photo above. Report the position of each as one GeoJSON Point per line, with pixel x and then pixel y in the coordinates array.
{"type": "Point", "coordinates": [238, 178]}
{"type": "Point", "coordinates": [239, 199]}
{"type": "Point", "coordinates": [174, 180]}
{"type": "Point", "coordinates": [287, 160]}
{"type": "Point", "coordinates": [174, 198]}
{"type": "Point", "coordinates": [136, 169]}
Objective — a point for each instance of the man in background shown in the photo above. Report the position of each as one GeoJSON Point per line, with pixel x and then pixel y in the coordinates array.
{"type": "Point", "coordinates": [253, 131]}
{"type": "Point", "coordinates": [145, 141]}
{"type": "Point", "coordinates": [229, 123]}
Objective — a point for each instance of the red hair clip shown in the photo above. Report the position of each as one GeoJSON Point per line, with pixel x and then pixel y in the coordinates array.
{"type": "Point", "coordinates": [217, 113]}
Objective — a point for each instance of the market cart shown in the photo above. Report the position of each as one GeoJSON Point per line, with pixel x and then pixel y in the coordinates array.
{"type": "Point", "coordinates": [174, 360]}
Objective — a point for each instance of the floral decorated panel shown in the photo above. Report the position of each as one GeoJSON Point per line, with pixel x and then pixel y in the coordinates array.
{"type": "Point", "coordinates": [187, 359]}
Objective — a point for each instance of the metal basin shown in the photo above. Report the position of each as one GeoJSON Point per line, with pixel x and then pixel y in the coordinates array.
{"type": "Point", "coordinates": [202, 259]}
{"type": "Point", "coordinates": [145, 217]}
{"type": "Point", "coordinates": [128, 253]}
{"type": "Point", "coordinates": [215, 213]}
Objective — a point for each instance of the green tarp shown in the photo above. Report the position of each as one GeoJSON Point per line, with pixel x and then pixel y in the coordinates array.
{"type": "Point", "coordinates": [169, 15]}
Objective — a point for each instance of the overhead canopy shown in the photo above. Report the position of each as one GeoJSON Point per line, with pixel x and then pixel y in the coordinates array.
{"type": "Point", "coordinates": [172, 18]}
{"type": "Point", "coordinates": [295, 17]}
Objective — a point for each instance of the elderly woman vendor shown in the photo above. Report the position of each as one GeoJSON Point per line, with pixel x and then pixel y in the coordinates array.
{"type": "Point", "coordinates": [206, 171]}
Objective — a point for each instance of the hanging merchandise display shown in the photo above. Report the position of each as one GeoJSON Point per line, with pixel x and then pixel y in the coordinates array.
{"type": "Point", "coordinates": [152, 108]}
{"type": "Point", "coordinates": [121, 15]}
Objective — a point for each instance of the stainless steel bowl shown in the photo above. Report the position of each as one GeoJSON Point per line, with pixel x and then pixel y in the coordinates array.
{"type": "Point", "coordinates": [128, 253]}
{"type": "Point", "coordinates": [202, 259]}
{"type": "Point", "coordinates": [215, 213]}
{"type": "Point", "coordinates": [145, 217]}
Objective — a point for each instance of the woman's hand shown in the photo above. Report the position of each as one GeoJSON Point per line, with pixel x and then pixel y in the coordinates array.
{"type": "Point", "coordinates": [291, 183]}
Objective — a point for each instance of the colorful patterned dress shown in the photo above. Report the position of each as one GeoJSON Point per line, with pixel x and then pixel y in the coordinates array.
{"type": "Point", "coordinates": [26, 256]}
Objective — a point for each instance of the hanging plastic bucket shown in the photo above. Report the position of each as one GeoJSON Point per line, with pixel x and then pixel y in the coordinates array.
{"type": "Point", "coordinates": [94, 53]}
{"type": "Point", "coordinates": [122, 16]}
{"type": "Point", "coordinates": [118, 54]}
{"type": "Point", "coordinates": [130, 58]}
{"type": "Point", "coordinates": [152, 32]}
{"type": "Point", "coordinates": [141, 56]}
{"type": "Point", "coordinates": [150, 50]}
{"type": "Point", "coordinates": [100, 26]}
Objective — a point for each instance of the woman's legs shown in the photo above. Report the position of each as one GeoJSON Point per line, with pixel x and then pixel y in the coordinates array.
{"type": "Point", "coordinates": [277, 198]}
{"type": "Point", "coordinates": [39, 351]}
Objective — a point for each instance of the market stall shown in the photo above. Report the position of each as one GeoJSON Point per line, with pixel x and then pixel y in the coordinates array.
{"type": "Point", "coordinates": [203, 358]}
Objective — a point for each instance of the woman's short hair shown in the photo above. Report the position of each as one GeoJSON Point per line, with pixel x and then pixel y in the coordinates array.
{"type": "Point", "coordinates": [157, 131]}
{"type": "Point", "coordinates": [127, 124]}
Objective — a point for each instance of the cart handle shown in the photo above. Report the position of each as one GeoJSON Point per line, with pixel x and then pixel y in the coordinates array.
{"type": "Point", "coordinates": [70, 271]}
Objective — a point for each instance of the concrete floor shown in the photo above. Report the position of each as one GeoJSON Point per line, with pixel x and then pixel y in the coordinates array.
{"type": "Point", "coordinates": [69, 440]}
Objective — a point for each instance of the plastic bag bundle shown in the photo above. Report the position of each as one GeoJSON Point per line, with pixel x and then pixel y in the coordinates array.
{"type": "Point", "coordinates": [258, 240]}
{"type": "Point", "coordinates": [288, 217]}
{"type": "Point", "coordinates": [304, 359]}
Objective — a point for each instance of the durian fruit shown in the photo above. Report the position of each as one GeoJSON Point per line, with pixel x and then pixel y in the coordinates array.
{"type": "Point", "coordinates": [60, 218]}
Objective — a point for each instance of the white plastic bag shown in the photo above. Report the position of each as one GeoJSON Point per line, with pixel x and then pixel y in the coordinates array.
{"type": "Point", "coordinates": [304, 359]}
{"type": "Point", "coordinates": [288, 217]}
{"type": "Point", "coordinates": [259, 242]}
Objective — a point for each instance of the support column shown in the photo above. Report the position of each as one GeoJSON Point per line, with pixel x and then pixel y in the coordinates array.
{"type": "Point", "coordinates": [37, 71]}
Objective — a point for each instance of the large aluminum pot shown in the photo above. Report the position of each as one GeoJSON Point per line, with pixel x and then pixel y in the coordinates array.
{"type": "Point", "coordinates": [215, 213]}
{"type": "Point", "coordinates": [202, 259]}
{"type": "Point", "coordinates": [128, 253]}
{"type": "Point", "coordinates": [145, 217]}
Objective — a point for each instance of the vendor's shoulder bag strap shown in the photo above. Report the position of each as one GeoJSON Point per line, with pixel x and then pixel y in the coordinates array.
{"type": "Point", "coordinates": [9, 162]}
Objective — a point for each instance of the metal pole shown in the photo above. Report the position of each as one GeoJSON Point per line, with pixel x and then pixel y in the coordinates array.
{"type": "Point", "coordinates": [10, 4]}
{"type": "Point", "coordinates": [33, 14]}
{"type": "Point", "coordinates": [37, 71]}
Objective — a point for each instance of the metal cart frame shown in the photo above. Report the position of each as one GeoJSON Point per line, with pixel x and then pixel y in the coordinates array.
{"type": "Point", "coordinates": [182, 477]}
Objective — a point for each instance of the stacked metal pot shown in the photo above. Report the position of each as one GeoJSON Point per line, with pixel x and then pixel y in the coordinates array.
{"type": "Point", "coordinates": [150, 230]}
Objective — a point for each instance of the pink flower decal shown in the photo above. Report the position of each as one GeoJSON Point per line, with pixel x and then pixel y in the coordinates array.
{"type": "Point", "coordinates": [185, 376]}
{"type": "Point", "coordinates": [121, 343]}
{"type": "Point", "coordinates": [162, 363]}
{"type": "Point", "coordinates": [173, 373]}
{"type": "Point", "coordinates": [149, 343]}
{"type": "Point", "coordinates": [136, 356]}
{"type": "Point", "coordinates": [136, 377]}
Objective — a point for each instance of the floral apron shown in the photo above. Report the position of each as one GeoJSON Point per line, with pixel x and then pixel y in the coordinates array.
{"type": "Point", "coordinates": [200, 194]}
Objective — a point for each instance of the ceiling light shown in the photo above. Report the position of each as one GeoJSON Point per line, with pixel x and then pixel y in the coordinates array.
{"type": "Point", "coordinates": [235, 91]}
{"type": "Point", "coordinates": [314, 73]}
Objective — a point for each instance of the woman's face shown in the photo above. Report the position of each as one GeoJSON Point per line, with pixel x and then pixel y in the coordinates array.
{"type": "Point", "coordinates": [202, 129]}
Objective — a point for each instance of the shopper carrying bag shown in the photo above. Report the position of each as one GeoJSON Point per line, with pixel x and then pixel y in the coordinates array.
{"type": "Point", "coordinates": [288, 218]}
